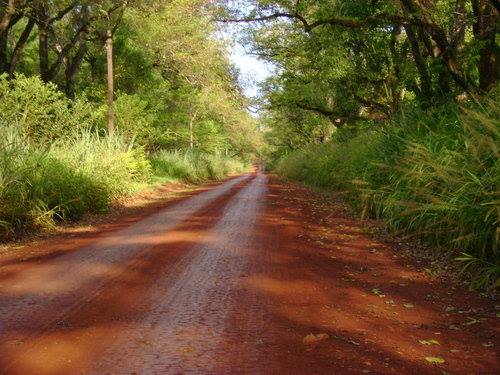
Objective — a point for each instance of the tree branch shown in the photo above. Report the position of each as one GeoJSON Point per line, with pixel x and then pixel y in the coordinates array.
{"type": "Point", "coordinates": [21, 43]}
{"type": "Point", "coordinates": [65, 50]}
{"type": "Point", "coordinates": [338, 21]}
{"type": "Point", "coordinates": [63, 12]}
{"type": "Point", "coordinates": [335, 118]}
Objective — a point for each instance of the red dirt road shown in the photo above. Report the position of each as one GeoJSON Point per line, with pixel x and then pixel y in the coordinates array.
{"type": "Point", "coordinates": [252, 276]}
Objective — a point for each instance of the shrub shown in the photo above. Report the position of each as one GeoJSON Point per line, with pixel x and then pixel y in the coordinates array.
{"type": "Point", "coordinates": [43, 112]}
{"type": "Point", "coordinates": [133, 118]}
{"type": "Point", "coordinates": [111, 161]}
{"type": "Point", "coordinates": [173, 165]}
{"type": "Point", "coordinates": [193, 166]}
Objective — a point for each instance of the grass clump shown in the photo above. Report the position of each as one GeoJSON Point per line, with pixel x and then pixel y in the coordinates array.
{"type": "Point", "coordinates": [44, 183]}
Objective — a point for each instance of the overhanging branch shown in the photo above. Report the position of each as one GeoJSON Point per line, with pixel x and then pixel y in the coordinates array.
{"type": "Point", "coordinates": [379, 18]}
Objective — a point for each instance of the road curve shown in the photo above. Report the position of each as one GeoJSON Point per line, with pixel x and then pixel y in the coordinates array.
{"type": "Point", "coordinates": [251, 276]}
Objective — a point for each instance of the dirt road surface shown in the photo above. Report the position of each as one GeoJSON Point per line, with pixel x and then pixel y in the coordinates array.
{"type": "Point", "coordinates": [251, 276]}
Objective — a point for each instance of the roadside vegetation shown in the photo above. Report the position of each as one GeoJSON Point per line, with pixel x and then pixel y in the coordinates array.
{"type": "Point", "coordinates": [64, 171]}
{"type": "Point", "coordinates": [396, 104]}
{"type": "Point", "coordinates": [178, 111]}
{"type": "Point", "coordinates": [432, 177]}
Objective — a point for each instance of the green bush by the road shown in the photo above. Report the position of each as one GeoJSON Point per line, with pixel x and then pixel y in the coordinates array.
{"type": "Point", "coordinates": [80, 174]}
{"type": "Point", "coordinates": [40, 111]}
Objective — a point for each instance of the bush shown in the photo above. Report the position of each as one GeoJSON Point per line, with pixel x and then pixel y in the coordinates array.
{"type": "Point", "coordinates": [113, 162]}
{"type": "Point", "coordinates": [133, 118]}
{"type": "Point", "coordinates": [83, 174]}
{"type": "Point", "coordinates": [43, 112]}
{"type": "Point", "coordinates": [435, 176]}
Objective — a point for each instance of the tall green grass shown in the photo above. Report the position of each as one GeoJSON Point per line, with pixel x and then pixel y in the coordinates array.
{"type": "Point", "coordinates": [434, 176]}
{"type": "Point", "coordinates": [192, 166]}
{"type": "Point", "coordinates": [83, 173]}
{"type": "Point", "coordinates": [41, 185]}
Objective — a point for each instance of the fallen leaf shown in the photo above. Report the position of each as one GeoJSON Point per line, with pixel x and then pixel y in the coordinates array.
{"type": "Point", "coordinates": [408, 305]}
{"type": "Point", "coordinates": [471, 321]}
{"type": "Point", "coordinates": [313, 339]}
{"type": "Point", "coordinates": [434, 359]}
{"type": "Point", "coordinates": [377, 292]}
{"type": "Point", "coordinates": [429, 342]}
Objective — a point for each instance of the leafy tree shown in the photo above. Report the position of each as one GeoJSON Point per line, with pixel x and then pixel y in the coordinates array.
{"type": "Point", "coordinates": [171, 74]}
{"type": "Point", "coordinates": [363, 61]}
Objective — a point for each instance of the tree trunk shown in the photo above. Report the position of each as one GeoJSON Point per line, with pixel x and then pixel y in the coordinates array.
{"type": "Point", "coordinates": [43, 52]}
{"type": "Point", "coordinates": [5, 18]}
{"type": "Point", "coordinates": [72, 68]}
{"type": "Point", "coordinates": [3, 55]}
{"type": "Point", "coordinates": [485, 29]}
{"type": "Point", "coordinates": [109, 54]}
{"type": "Point", "coordinates": [8, 18]}
{"type": "Point", "coordinates": [397, 92]}
{"type": "Point", "coordinates": [423, 72]}
{"type": "Point", "coordinates": [21, 43]}
{"type": "Point", "coordinates": [191, 125]}
{"type": "Point", "coordinates": [446, 51]}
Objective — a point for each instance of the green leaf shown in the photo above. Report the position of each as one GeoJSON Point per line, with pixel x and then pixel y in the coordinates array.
{"type": "Point", "coordinates": [408, 305]}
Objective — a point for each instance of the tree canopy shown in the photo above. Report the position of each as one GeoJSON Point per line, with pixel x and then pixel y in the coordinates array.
{"type": "Point", "coordinates": [363, 61]}
{"type": "Point", "coordinates": [174, 84]}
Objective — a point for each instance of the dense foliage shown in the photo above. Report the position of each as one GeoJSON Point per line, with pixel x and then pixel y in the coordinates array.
{"type": "Point", "coordinates": [174, 85]}
{"type": "Point", "coordinates": [84, 173]}
{"type": "Point", "coordinates": [393, 101]}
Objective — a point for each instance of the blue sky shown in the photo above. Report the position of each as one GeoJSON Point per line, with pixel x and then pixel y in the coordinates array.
{"type": "Point", "coordinates": [252, 70]}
